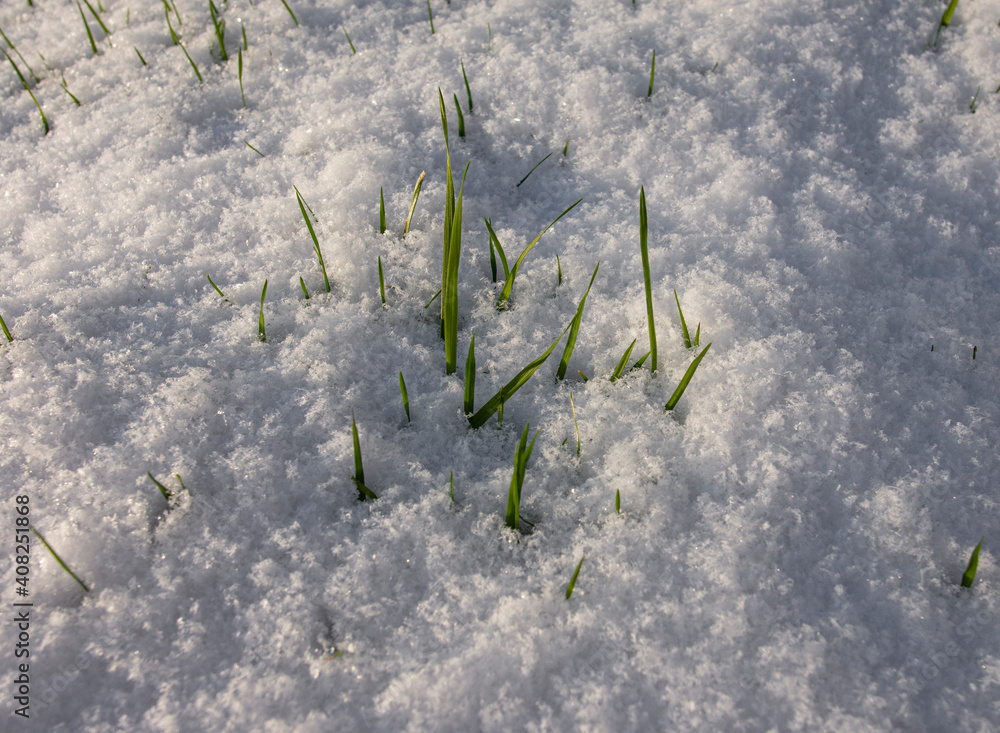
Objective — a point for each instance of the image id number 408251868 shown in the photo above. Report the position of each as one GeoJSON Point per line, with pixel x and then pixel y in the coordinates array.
{"type": "Point", "coordinates": [22, 607]}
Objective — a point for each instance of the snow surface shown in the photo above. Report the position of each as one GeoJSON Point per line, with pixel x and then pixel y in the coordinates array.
{"type": "Point", "coordinates": [792, 536]}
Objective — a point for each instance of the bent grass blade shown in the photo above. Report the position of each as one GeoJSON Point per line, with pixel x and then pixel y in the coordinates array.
{"type": "Point", "coordinates": [413, 202]}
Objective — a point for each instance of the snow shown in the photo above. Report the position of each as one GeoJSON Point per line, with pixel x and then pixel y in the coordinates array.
{"type": "Point", "coordinates": [792, 535]}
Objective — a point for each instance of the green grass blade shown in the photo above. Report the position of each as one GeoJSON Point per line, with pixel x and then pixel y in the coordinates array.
{"type": "Point", "coordinates": [290, 12]}
{"type": "Point", "coordinates": [23, 61]}
{"type": "Point", "coordinates": [946, 19]}
{"type": "Point", "coordinates": [574, 329]}
{"type": "Point", "coordinates": [381, 281]}
{"type": "Point", "coordinates": [312, 234]}
{"type": "Point", "coordinates": [239, 59]}
{"type": "Point", "coordinates": [558, 272]}
{"type": "Point", "coordinates": [566, 147]}
{"type": "Point", "coordinates": [174, 38]}
{"type": "Point", "coordinates": [449, 286]}
{"type": "Point", "coordinates": [643, 241]}
{"type": "Point", "coordinates": [254, 149]}
{"type": "Point", "coordinates": [413, 202]}
{"type": "Point", "coordinates": [697, 336]}
{"type": "Point", "coordinates": [433, 298]}
{"type": "Point", "coordinates": [489, 42]}
{"type": "Point", "coordinates": [167, 494]}
{"type": "Point", "coordinates": [220, 29]}
{"type": "Point", "coordinates": [59, 560]}
{"type": "Point", "coordinates": [193, 65]}
{"type": "Point", "coordinates": [430, 16]}
{"type": "Point", "coordinates": [24, 83]}
{"type": "Point", "coordinates": [676, 396]}
{"type": "Point", "coordinates": [140, 56]}
{"type": "Point", "coordinates": [495, 244]}
{"type": "Point", "coordinates": [381, 211]}
{"type": "Point", "coordinates": [583, 376]}
{"type": "Point", "coordinates": [364, 493]}
{"type": "Point", "coordinates": [533, 170]}
{"type": "Point", "coordinates": [493, 258]}
{"type": "Point", "coordinates": [652, 70]}
{"type": "Point", "coordinates": [507, 391]}
{"type": "Point", "coordinates": [512, 518]}
{"type": "Point", "coordinates": [688, 342]}
{"type": "Point", "coordinates": [512, 274]}
{"type": "Point", "coordinates": [90, 36]}
{"type": "Point", "coordinates": [260, 320]}
{"type": "Point", "coordinates": [302, 284]}
{"type": "Point", "coordinates": [451, 483]}
{"type": "Point", "coordinates": [216, 287]}
{"type": "Point", "coordinates": [349, 43]}
{"type": "Point", "coordinates": [468, 91]}
{"type": "Point", "coordinates": [461, 117]}
{"type": "Point", "coordinates": [572, 581]}
{"type": "Point", "coordinates": [470, 377]}
{"type": "Point", "coordinates": [575, 425]}
{"type": "Point", "coordinates": [243, 30]}
{"type": "Point", "coordinates": [641, 360]}
{"type": "Point", "coordinates": [618, 501]}
{"type": "Point", "coordinates": [621, 362]}
{"type": "Point", "coordinates": [405, 396]}
{"type": "Point", "coordinates": [970, 570]}
{"type": "Point", "coordinates": [449, 195]}
{"type": "Point", "coordinates": [65, 88]}
{"type": "Point", "coordinates": [5, 331]}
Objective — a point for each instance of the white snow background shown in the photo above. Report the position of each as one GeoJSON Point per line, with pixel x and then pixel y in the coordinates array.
{"type": "Point", "coordinates": [792, 536]}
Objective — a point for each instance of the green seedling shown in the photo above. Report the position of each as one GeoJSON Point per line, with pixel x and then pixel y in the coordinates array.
{"type": "Point", "coordinates": [254, 149]}
{"type": "Point", "coordinates": [413, 202]}
{"type": "Point", "coordinates": [572, 581]}
{"type": "Point", "coordinates": [574, 329]}
{"type": "Point", "coordinates": [510, 273]}
{"type": "Point", "coordinates": [433, 298]}
{"type": "Point", "coordinates": [496, 402]}
{"type": "Point", "coordinates": [97, 18]}
{"type": "Point", "coordinates": [290, 12]}
{"type": "Point", "coordinates": [430, 16]}
{"type": "Point", "coordinates": [521, 456]}
{"type": "Point", "coordinates": [140, 56]}
{"type": "Point", "coordinates": [24, 83]}
{"type": "Point", "coordinates": [193, 65]}
{"type": "Point", "coordinates": [583, 376]}
{"type": "Point", "coordinates": [260, 320]}
{"type": "Point", "coordinates": [461, 117]}
{"type": "Point", "coordinates": [216, 287]}
{"type": "Point", "coordinates": [302, 284]}
{"type": "Point", "coordinates": [14, 49]}
{"type": "Point", "coordinates": [239, 67]}
{"type": "Point", "coordinates": [576, 427]}
{"type": "Point", "coordinates": [566, 147]}
{"type": "Point", "coordinates": [689, 342]}
{"type": "Point", "coordinates": [652, 70]}
{"type": "Point", "coordinates": [676, 396]}
{"type": "Point", "coordinates": [946, 19]}
{"type": "Point", "coordinates": [975, 98]}
{"type": "Point", "coordinates": [167, 494]}
{"type": "Point", "coordinates": [618, 501]}
{"type": "Point", "coordinates": [970, 570]}
{"type": "Point", "coordinates": [558, 269]}
{"type": "Point", "coordinates": [620, 369]}
{"type": "Point", "coordinates": [533, 170]}
{"type": "Point", "coordinates": [58, 559]}
{"type": "Point", "coordinates": [6, 331]}
{"type": "Point", "coordinates": [381, 281]}
{"type": "Point", "coordinates": [90, 36]}
{"type": "Point", "coordinates": [381, 212]}
{"type": "Point", "coordinates": [364, 493]}
{"type": "Point", "coordinates": [468, 91]}
{"type": "Point", "coordinates": [405, 396]}
{"type": "Point", "coordinates": [312, 233]}
{"type": "Point", "coordinates": [353, 49]}
{"type": "Point", "coordinates": [643, 241]}
{"type": "Point", "coordinates": [470, 377]}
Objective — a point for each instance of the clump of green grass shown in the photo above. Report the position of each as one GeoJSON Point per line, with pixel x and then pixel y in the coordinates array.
{"type": "Point", "coordinates": [260, 320]}
{"type": "Point", "coordinates": [572, 581]}
{"type": "Point", "coordinates": [364, 493]}
{"type": "Point", "coordinates": [381, 211]}
{"type": "Point", "coordinates": [643, 242]}
{"type": "Point", "coordinates": [24, 83]}
{"type": "Point", "coordinates": [532, 170]}
{"type": "Point", "coordinates": [312, 233]}
{"type": "Point", "coordinates": [946, 19]}
{"type": "Point", "coordinates": [686, 379]}
{"type": "Point", "coordinates": [510, 273]}
{"type": "Point", "coordinates": [470, 378]}
{"type": "Point", "coordinates": [970, 570]}
{"type": "Point", "coordinates": [239, 67]}
{"type": "Point", "coordinates": [6, 332]}
{"type": "Point", "coordinates": [216, 287]}
{"type": "Point", "coordinates": [290, 12]}
{"type": "Point", "coordinates": [496, 402]}
{"type": "Point", "coordinates": [405, 396]}
{"type": "Point", "coordinates": [413, 201]}
{"type": "Point", "coordinates": [521, 456]}
{"type": "Point", "coordinates": [689, 342]}
{"type": "Point", "coordinates": [59, 560]}
{"type": "Point", "coordinates": [574, 329]}
{"type": "Point", "coordinates": [381, 281]}
{"type": "Point", "coordinates": [349, 43]}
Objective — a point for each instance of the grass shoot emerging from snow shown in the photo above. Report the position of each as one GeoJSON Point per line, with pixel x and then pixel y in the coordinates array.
{"type": "Point", "coordinates": [23, 61]}
{"type": "Point", "coordinates": [652, 71]}
{"type": "Point", "coordinates": [470, 378]}
{"type": "Point", "coordinates": [620, 369]}
{"type": "Point", "coordinates": [644, 249]}
{"type": "Point", "coordinates": [6, 332]}
{"type": "Point", "coordinates": [572, 581]}
{"type": "Point", "coordinates": [618, 501]}
{"type": "Point", "coordinates": [381, 281]}
{"type": "Point", "coordinates": [364, 493]}
{"type": "Point", "coordinates": [532, 170]}
{"type": "Point", "coordinates": [381, 211]}
{"type": "Point", "coordinates": [468, 91]}
{"type": "Point", "coordinates": [686, 379]}
{"type": "Point", "coordinates": [220, 30]}
{"type": "Point", "coordinates": [574, 329]}
{"type": "Point", "coordinates": [24, 83]}
{"type": "Point", "coordinates": [90, 36]}
{"type": "Point", "coordinates": [215, 287]}
{"type": "Point", "coordinates": [689, 343]}
{"type": "Point", "coordinates": [290, 12]}
{"type": "Point", "coordinates": [167, 494]}
{"type": "Point", "coordinates": [59, 560]}
{"type": "Point", "coordinates": [260, 320]}
{"type": "Point", "coordinates": [452, 251]}
{"type": "Point", "coordinates": [302, 284]}
{"type": "Point", "coordinates": [945, 19]}
{"type": "Point", "coordinates": [193, 64]}
{"type": "Point", "coordinates": [970, 570]}
{"type": "Point", "coordinates": [521, 456]}
{"type": "Point", "coordinates": [239, 67]}
{"type": "Point", "coordinates": [413, 201]}
{"type": "Point", "coordinates": [461, 117]}
{"type": "Point", "coordinates": [312, 234]}
{"type": "Point", "coordinates": [405, 396]}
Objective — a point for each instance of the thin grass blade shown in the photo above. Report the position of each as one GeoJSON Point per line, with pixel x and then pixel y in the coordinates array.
{"type": "Point", "coordinates": [468, 91]}
{"type": "Point", "coordinates": [652, 70]}
{"type": "Point", "coordinates": [290, 12]}
{"type": "Point", "coordinates": [574, 329]}
{"type": "Point", "coordinates": [260, 321]}
{"type": "Point", "coordinates": [970, 570]}
{"type": "Point", "coordinates": [59, 560]}
{"type": "Point", "coordinates": [470, 378]}
{"type": "Point", "coordinates": [167, 494]}
{"type": "Point", "coordinates": [6, 332]}
{"type": "Point", "coordinates": [676, 396]}
{"type": "Point", "coordinates": [24, 83]}
{"type": "Point", "coordinates": [461, 117]}
{"type": "Point", "coordinates": [413, 201]}
{"type": "Point", "coordinates": [572, 581]}
{"type": "Point", "coordinates": [302, 284]}
{"type": "Point", "coordinates": [381, 211]}
{"type": "Point", "coordinates": [312, 233]}
{"type": "Point", "coordinates": [495, 244]}
{"type": "Point", "coordinates": [405, 396]}
{"type": "Point", "coordinates": [364, 493]}
{"type": "Point", "coordinates": [349, 43]}
{"type": "Point", "coordinates": [449, 292]}
{"type": "Point", "coordinates": [619, 370]}
{"type": "Point", "coordinates": [254, 149]}
{"type": "Point", "coordinates": [381, 281]}
{"type": "Point", "coordinates": [558, 272]}
{"type": "Point", "coordinates": [532, 170]}
{"type": "Point", "coordinates": [193, 64]}
{"type": "Point", "coordinates": [688, 343]}
{"type": "Point", "coordinates": [643, 241]}
{"type": "Point", "coordinates": [216, 287]}
{"type": "Point", "coordinates": [90, 36]}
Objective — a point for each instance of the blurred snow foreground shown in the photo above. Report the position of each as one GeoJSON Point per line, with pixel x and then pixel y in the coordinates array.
{"type": "Point", "coordinates": [791, 537]}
